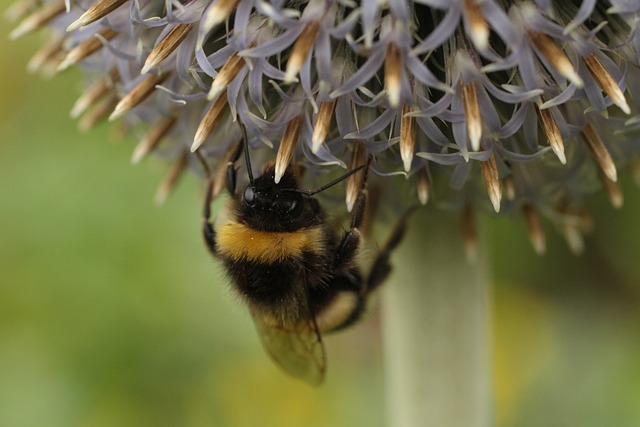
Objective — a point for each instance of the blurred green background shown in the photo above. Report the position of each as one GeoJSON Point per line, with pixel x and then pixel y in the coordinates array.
{"type": "Point", "coordinates": [112, 312]}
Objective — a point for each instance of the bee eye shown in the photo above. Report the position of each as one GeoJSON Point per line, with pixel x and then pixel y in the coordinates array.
{"type": "Point", "coordinates": [291, 205]}
{"type": "Point", "coordinates": [249, 196]}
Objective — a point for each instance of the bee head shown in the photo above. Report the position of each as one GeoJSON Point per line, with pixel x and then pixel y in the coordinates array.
{"type": "Point", "coordinates": [278, 201]}
{"type": "Point", "coordinates": [268, 206]}
{"type": "Point", "coordinates": [282, 206]}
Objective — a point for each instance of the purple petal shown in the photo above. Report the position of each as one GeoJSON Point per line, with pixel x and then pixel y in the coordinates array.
{"type": "Point", "coordinates": [500, 22]}
{"type": "Point", "coordinates": [585, 11]}
{"type": "Point", "coordinates": [530, 128]}
{"type": "Point", "coordinates": [234, 89]}
{"type": "Point", "coordinates": [184, 56]}
{"type": "Point", "coordinates": [305, 77]}
{"type": "Point", "coordinates": [544, 5]}
{"type": "Point", "coordinates": [204, 64]}
{"type": "Point", "coordinates": [220, 57]}
{"type": "Point", "coordinates": [344, 116]}
{"type": "Point", "coordinates": [515, 94]}
{"type": "Point", "coordinates": [441, 33]}
{"type": "Point", "coordinates": [460, 175]}
{"type": "Point", "coordinates": [275, 45]}
{"type": "Point", "coordinates": [592, 90]}
{"type": "Point", "coordinates": [275, 13]}
{"type": "Point", "coordinates": [323, 56]}
{"type": "Point", "coordinates": [270, 71]}
{"type": "Point", "coordinates": [369, 10]}
{"type": "Point", "coordinates": [422, 73]}
{"type": "Point", "coordinates": [488, 111]}
{"type": "Point", "coordinates": [375, 127]}
{"type": "Point", "coordinates": [446, 159]}
{"type": "Point", "coordinates": [400, 9]}
{"type": "Point", "coordinates": [624, 6]}
{"type": "Point", "coordinates": [323, 157]}
{"type": "Point", "coordinates": [561, 98]}
{"type": "Point", "coordinates": [432, 131]}
{"type": "Point", "coordinates": [521, 158]}
{"type": "Point", "coordinates": [241, 20]}
{"type": "Point", "coordinates": [515, 121]}
{"type": "Point", "coordinates": [437, 109]}
{"type": "Point", "coordinates": [254, 83]}
{"type": "Point", "coordinates": [378, 172]}
{"type": "Point", "coordinates": [364, 73]}
{"type": "Point", "coordinates": [345, 26]}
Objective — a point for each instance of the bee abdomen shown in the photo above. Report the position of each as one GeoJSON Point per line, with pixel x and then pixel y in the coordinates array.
{"type": "Point", "coordinates": [341, 303]}
{"type": "Point", "coordinates": [275, 287]}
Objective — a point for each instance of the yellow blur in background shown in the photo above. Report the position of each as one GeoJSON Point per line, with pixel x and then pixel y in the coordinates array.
{"type": "Point", "coordinates": [112, 312]}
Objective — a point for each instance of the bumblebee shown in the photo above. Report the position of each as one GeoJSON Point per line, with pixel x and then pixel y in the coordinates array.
{"type": "Point", "coordinates": [298, 277]}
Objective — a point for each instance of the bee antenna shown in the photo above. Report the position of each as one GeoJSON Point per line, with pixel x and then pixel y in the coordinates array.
{"type": "Point", "coordinates": [310, 193]}
{"type": "Point", "coordinates": [245, 142]}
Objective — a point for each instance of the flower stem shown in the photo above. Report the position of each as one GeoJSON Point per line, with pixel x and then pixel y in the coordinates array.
{"type": "Point", "coordinates": [437, 330]}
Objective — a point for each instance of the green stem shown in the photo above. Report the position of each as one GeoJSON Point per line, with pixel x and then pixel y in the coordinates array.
{"type": "Point", "coordinates": [437, 330]}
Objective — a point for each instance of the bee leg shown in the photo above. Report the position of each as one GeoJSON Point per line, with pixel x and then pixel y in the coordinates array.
{"type": "Point", "coordinates": [208, 232]}
{"type": "Point", "coordinates": [381, 266]}
{"type": "Point", "coordinates": [349, 292]}
{"type": "Point", "coordinates": [351, 241]}
{"type": "Point", "coordinates": [232, 171]}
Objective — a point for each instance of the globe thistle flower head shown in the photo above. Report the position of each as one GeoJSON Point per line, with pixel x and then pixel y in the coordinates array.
{"type": "Point", "coordinates": [497, 105]}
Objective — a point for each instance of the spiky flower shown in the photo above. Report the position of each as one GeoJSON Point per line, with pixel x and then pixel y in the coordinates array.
{"type": "Point", "coordinates": [516, 106]}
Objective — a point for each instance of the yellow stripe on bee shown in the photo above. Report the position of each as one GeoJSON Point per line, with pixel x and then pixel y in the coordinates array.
{"type": "Point", "coordinates": [237, 241]}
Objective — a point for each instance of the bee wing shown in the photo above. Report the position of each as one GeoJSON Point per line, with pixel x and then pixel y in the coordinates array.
{"type": "Point", "coordinates": [297, 348]}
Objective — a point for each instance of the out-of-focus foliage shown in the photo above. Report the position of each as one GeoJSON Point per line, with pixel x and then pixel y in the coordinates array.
{"type": "Point", "coordinates": [112, 313]}
{"type": "Point", "coordinates": [567, 327]}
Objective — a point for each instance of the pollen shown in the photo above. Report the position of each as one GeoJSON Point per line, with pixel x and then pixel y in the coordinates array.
{"type": "Point", "coordinates": [166, 46]}
{"type": "Point", "coordinates": [217, 13]}
{"type": "Point", "coordinates": [477, 24]}
{"type": "Point", "coordinates": [556, 57]}
{"type": "Point", "coordinates": [606, 82]}
{"type": "Point", "coordinates": [322, 124]}
{"type": "Point", "coordinates": [228, 71]}
{"type": "Point", "coordinates": [95, 92]}
{"type": "Point", "coordinates": [176, 170]}
{"type": "Point", "coordinates": [98, 11]}
{"type": "Point", "coordinates": [534, 227]}
{"type": "Point", "coordinates": [600, 152]}
{"type": "Point", "coordinates": [472, 114]}
{"type": "Point", "coordinates": [138, 94]}
{"type": "Point", "coordinates": [552, 132]}
{"type": "Point", "coordinates": [354, 182]}
{"type": "Point", "coordinates": [287, 147]}
{"type": "Point", "coordinates": [407, 137]}
{"type": "Point", "coordinates": [613, 191]}
{"type": "Point", "coordinates": [301, 50]}
{"type": "Point", "coordinates": [47, 59]}
{"type": "Point", "coordinates": [38, 19]}
{"type": "Point", "coordinates": [98, 113]}
{"type": "Point", "coordinates": [392, 74]}
{"type": "Point", "coordinates": [86, 47]}
{"type": "Point", "coordinates": [422, 186]}
{"type": "Point", "coordinates": [209, 122]}
{"type": "Point", "coordinates": [152, 138]}
{"type": "Point", "coordinates": [492, 181]}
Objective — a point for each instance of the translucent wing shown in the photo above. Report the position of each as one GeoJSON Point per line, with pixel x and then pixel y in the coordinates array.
{"type": "Point", "coordinates": [297, 347]}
